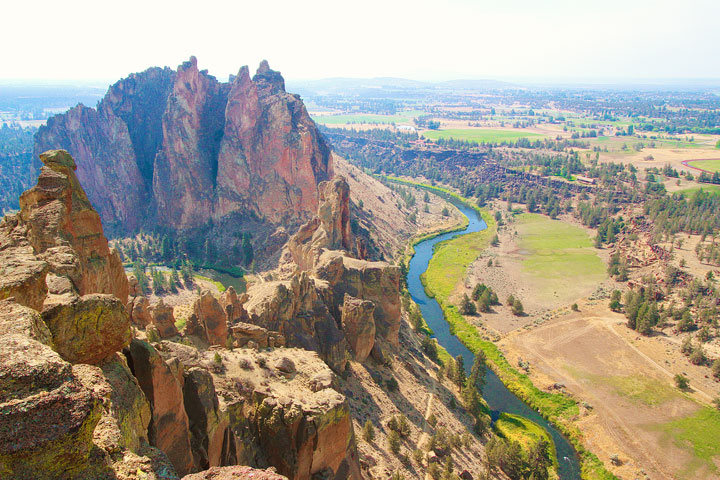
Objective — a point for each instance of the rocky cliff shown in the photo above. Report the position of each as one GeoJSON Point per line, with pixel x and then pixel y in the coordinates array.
{"type": "Point", "coordinates": [181, 150]}
{"type": "Point", "coordinates": [81, 398]}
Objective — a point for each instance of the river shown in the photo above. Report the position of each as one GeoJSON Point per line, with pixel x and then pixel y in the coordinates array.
{"type": "Point", "coordinates": [495, 393]}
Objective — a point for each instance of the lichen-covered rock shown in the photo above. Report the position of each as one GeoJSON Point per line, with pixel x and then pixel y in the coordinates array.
{"type": "Point", "coordinates": [47, 416]}
{"type": "Point", "coordinates": [22, 274]}
{"type": "Point", "coordinates": [163, 387]}
{"type": "Point", "coordinates": [211, 317]}
{"type": "Point", "coordinates": [358, 325]}
{"type": "Point", "coordinates": [378, 282]}
{"type": "Point", "coordinates": [126, 411]}
{"type": "Point", "coordinates": [235, 473]}
{"type": "Point", "coordinates": [89, 329]}
{"type": "Point", "coordinates": [163, 318]}
{"type": "Point", "coordinates": [21, 320]}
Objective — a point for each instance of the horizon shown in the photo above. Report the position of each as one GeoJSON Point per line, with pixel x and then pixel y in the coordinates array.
{"type": "Point", "coordinates": [462, 39]}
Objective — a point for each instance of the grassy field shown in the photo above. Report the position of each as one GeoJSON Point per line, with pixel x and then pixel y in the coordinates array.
{"type": "Point", "coordinates": [404, 117]}
{"type": "Point", "coordinates": [706, 188]}
{"type": "Point", "coordinates": [481, 135]}
{"type": "Point", "coordinates": [452, 258]}
{"type": "Point", "coordinates": [709, 165]}
{"type": "Point", "coordinates": [558, 254]}
{"type": "Point", "coordinates": [699, 433]}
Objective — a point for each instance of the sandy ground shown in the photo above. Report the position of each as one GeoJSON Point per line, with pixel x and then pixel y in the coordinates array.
{"type": "Point", "coordinates": [619, 373]}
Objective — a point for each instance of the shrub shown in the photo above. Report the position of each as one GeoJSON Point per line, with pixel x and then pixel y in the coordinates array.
{"type": "Point", "coordinates": [368, 431]}
{"type": "Point", "coordinates": [517, 308]}
{"type": "Point", "coordinates": [681, 381]}
{"type": "Point", "coordinates": [217, 358]}
{"type": "Point", "coordinates": [391, 384]}
{"type": "Point", "coordinates": [394, 442]}
{"type": "Point", "coordinates": [697, 357]}
{"type": "Point", "coordinates": [716, 368]}
{"type": "Point", "coordinates": [575, 307]}
{"type": "Point", "coordinates": [152, 335]}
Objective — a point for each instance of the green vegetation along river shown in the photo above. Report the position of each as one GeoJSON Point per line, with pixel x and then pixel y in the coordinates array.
{"type": "Point", "coordinates": [500, 399]}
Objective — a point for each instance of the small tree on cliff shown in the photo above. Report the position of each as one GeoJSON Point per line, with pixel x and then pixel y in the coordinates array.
{"type": "Point", "coordinates": [247, 248]}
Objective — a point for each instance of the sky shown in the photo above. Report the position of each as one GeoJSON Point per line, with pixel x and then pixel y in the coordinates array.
{"type": "Point", "coordinates": [418, 39]}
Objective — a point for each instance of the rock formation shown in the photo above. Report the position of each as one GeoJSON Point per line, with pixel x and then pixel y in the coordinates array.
{"type": "Point", "coordinates": [211, 319]}
{"type": "Point", "coordinates": [235, 473]}
{"type": "Point", "coordinates": [374, 281]}
{"type": "Point", "coordinates": [164, 319]}
{"type": "Point", "coordinates": [329, 229]}
{"type": "Point", "coordinates": [194, 152]}
{"type": "Point", "coordinates": [358, 324]}
{"type": "Point", "coordinates": [79, 398]}
{"type": "Point", "coordinates": [163, 387]}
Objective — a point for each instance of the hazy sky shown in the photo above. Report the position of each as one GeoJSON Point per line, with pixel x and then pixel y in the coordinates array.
{"type": "Point", "coordinates": [427, 40]}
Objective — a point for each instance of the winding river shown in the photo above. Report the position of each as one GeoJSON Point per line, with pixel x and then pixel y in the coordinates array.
{"type": "Point", "coordinates": [495, 393]}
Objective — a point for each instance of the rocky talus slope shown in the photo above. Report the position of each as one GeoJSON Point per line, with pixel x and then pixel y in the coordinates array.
{"type": "Point", "coordinates": [195, 154]}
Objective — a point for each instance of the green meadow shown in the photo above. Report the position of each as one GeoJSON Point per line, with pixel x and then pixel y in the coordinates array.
{"type": "Point", "coordinates": [480, 135]}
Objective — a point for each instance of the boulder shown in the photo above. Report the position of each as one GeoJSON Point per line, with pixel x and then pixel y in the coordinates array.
{"type": "Point", "coordinates": [247, 332]}
{"type": "Point", "coordinates": [89, 329]}
{"type": "Point", "coordinates": [211, 317]}
{"type": "Point", "coordinates": [163, 387]}
{"type": "Point", "coordinates": [358, 325]}
{"type": "Point", "coordinates": [47, 416]}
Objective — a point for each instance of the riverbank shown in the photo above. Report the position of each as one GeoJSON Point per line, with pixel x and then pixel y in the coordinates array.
{"type": "Point", "coordinates": [558, 409]}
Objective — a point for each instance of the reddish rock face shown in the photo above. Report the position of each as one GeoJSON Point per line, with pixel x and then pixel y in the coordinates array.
{"type": "Point", "coordinates": [330, 229]}
{"type": "Point", "coordinates": [271, 148]}
{"type": "Point", "coordinates": [65, 231]}
{"type": "Point", "coordinates": [182, 148]}
{"type": "Point", "coordinates": [211, 318]}
{"type": "Point", "coordinates": [164, 319]}
{"type": "Point", "coordinates": [163, 387]}
{"type": "Point", "coordinates": [139, 309]}
{"type": "Point", "coordinates": [359, 326]}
